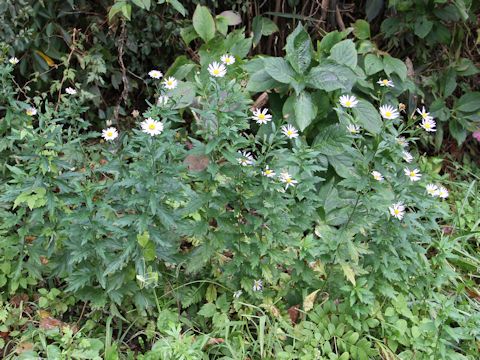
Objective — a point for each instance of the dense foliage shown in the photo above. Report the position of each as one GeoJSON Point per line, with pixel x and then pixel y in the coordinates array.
{"type": "Point", "coordinates": [251, 206]}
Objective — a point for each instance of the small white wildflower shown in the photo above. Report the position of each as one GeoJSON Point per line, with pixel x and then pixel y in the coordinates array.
{"type": "Point", "coordinates": [217, 69]}
{"type": "Point", "coordinates": [261, 116]}
{"type": "Point", "coordinates": [109, 122]}
{"type": "Point", "coordinates": [227, 59]}
{"type": "Point", "coordinates": [402, 141]}
{"type": "Point", "coordinates": [13, 60]}
{"type": "Point", "coordinates": [70, 91]}
{"type": "Point", "coordinates": [389, 112]}
{"type": "Point", "coordinates": [407, 156]}
{"type": "Point", "coordinates": [397, 210]}
{"type": "Point", "coordinates": [155, 74]}
{"type": "Point", "coordinates": [287, 179]}
{"type": "Point", "coordinates": [429, 125]}
{"type": "Point", "coordinates": [377, 176]}
{"type": "Point", "coordinates": [385, 82]}
{"type": "Point", "coordinates": [152, 127]}
{"type": "Point", "coordinates": [110, 133]}
{"type": "Point", "coordinates": [257, 285]}
{"type": "Point", "coordinates": [245, 158]}
{"type": "Point", "coordinates": [289, 131]}
{"type": "Point", "coordinates": [162, 100]}
{"type": "Point", "coordinates": [170, 83]}
{"type": "Point", "coordinates": [423, 113]}
{"type": "Point", "coordinates": [413, 175]}
{"type": "Point", "coordinates": [353, 129]}
{"type": "Point", "coordinates": [432, 190]}
{"type": "Point", "coordinates": [443, 192]}
{"type": "Point", "coordinates": [268, 172]}
{"type": "Point", "coordinates": [348, 101]}
{"type": "Point", "coordinates": [31, 111]}
{"type": "Point", "coordinates": [237, 294]}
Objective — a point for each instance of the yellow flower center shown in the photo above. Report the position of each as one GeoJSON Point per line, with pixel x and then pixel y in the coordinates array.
{"type": "Point", "coordinates": [385, 82]}
{"type": "Point", "coordinates": [388, 114]}
{"type": "Point", "coordinates": [169, 82]}
{"type": "Point", "coordinates": [427, 125]}
{"type": "Point", "coordinates": [216, 71]}
{"type": "Point", "coordinates": [151, 126]}
{"type": "Point", "coordinates": [227, 60]}
{"type": "Point", "coordinates": [289, 132]}
{"type": "Point", "coordinates": [412, 174]}
{"type": "Point", "coordinates": [109, 134]}
{"type": "Point", "coordinates": [348, 103]}
{"type": "Point", "coordinates": [288, 180]}
{"type": "Point", "coordinates": [396, 211]}
{"type": "Point", "coordinates": [261, 116]}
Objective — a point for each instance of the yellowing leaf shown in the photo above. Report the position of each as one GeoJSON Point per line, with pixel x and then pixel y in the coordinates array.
{"type": "Point", "coordinates": [349, 273]}
{"type": "Point", "coordinates": [45, 57]}
{"type": "Point", "coordinates": [310, 300]}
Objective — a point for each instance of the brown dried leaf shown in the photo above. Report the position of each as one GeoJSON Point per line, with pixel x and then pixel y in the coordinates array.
{"type": "Point", "coordinates": [215, 341]}
{"type": "Point", "coordinates": [196, 163]}
{"type": "Point", "coordinates": [50, 323]}
{"type": "Point", "coordinates": [293, 313]}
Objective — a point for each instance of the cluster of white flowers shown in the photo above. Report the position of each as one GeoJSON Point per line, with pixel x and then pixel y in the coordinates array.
{"type": "Point", "coordinates": [427, 120]}
{"type": "Point", "coordinates": [70, 91]}
{"type": "Point", "coordinates": [437, 191]}
{"type": "Point", "coordinates": [218, 69]}
{"type": "Point", "coordinates": [169, 83]}
{"type": "Point", "coordinates": [284, 177]}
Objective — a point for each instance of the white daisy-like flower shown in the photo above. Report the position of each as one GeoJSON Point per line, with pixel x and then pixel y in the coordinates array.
{"type": "Point", "coordinates": [245, 158]}
{"type": "Point", "coordinates": [31, 111]}
{"type": "Point", "coordinates": [385, 82]}
{"type": "Point", "coordinates": [227, 59]}
{"type": "Point", "coordinates": [348, 101]}
{"type": "Point", "coordinates": [429, 125]}
{"type": "Point", "coordinates": [170, 83]}
{"type": "Point", "coordinates": [402, 141]}
{"type": "Point", "coordinates": [237, 294]}
{"type": "Point", "coordinates": [407, 156]}
{"type": "Point", "coordinates": [289, 131]}
{"type": "Point", "coordinates": [268, 172]}
{"type": "Point", "coordinates": [377, 176]}
{"type": "Point", "coordinates": [261, 116]}
{"type": "Point", "coordinates": [397, 210]}
{"type": "Point", "coordinates": [110, 133]}
{"type": "Point", "coordinates": [443, 192]}
{"type": "Point", "coordinates": [257, 285]}
{"type": "Point", "coordinates": [287, 179]}
{"type": "Point", "coordinates": [413, 175]}
{"type": "Point", "coordinates": [155, 74]}
{"type": "Point", "coordinates": [152, 127]}
{"type": "Point", "coordinates": [162, 100]}
{"type": "Point", "coordinates": [432, 190]}
{"type": "Point", "coordinates": [423, 113]}
{"type": "Point", "coordinates": [217, 69]}
{"type": "Point", "coordinates": [353, 129]}
{"type": "Point", "coordinates": [13, 60]}
{"type": "Point", "coordinates": [70, 91]}
{"type": "Point", "coordinates": [389, 112]}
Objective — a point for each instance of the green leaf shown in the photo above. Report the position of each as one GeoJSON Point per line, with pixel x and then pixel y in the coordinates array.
{"type": "Point", "coordinates": [261, 81]}
{"type": "Point", "coordinates": [143, 239]}
{"type": "Point", "coordinates": [279, 69]}
{"type": "Point", "coordinates": [329, 40]}
{"type": "Point", "coordinates": [457, 131]}
{"type": "Point", "coordinates": [262, 26]}
{"type": "Point", "coordinates": [188, 34]}
{"type": "Point", "coordinates": [305, 110]}
{"type": "Point", "coordinates": [143, 4]}
{"type": "Point", "coordinates": [469, 102]}
{"type": "Point", "coordinates": [373, 8]}
{"type": "Point", "coordinates": [203, 23]}
{"type": "Point", "coordinates": [177, 5]}
{"type": "Point", "coordinates": [232, 17]}
{"type": "Point", "coordinates": [208, 310]}
{"type": "Point", "coordinates": [330, 77]}
{"type": "Point", "coordinates": [422, 27]}
{"type": "Point", "coordinates": [397, 66]}
{"type": "Point", "coordinates": [299, 49]}
{"type": "Point", "coordinates": [349, 273]}
{"type": "Point", "coordinates": [361, 29]}
{"type": "Point", "coordinates": [367, 116]}
{"type": "Point", "coordinates": [222, 25]}
{"type": "Point", "coordinates": [344, 53]}
{"type": "Point", "coordinates": [373, 64]}
{"type": "Point", "coordinates": [332, 140]}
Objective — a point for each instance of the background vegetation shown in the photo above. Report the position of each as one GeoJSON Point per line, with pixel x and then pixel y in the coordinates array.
{"type": "Point", "coordinates": [152, 247]}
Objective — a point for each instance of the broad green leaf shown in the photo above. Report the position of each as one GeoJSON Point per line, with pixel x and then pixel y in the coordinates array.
{"type": "Point", "coordinates": [203, 23]}
{"type": "Point", "coordinates": [329, 40]}
{"type": "Point", "coordinates": [299, 49]}
{"type": "Point", "coordinates": [232, 17]}
{"type": "Point", "coordinates": [177, 5]}
{"type": "Point", "coordinates": [422, 26]}
{"type": "Point", "coordinates": [332, 140]}
{"type": "Point", "coordinates": [188, 34]}
{"type": "Point", "coordinates": [361, 29]}
{"type": "Point", "coordinates": [367, 116]}
{"type": "Point", "coordinates": [457, 131]}
{"type": "Point", "coordinates": [143, 4]}
{"type": "Point", "coordinates": [222, 25]}
{"type": "Point", "coordinates": [279, 69]}
{"type": "Point", "coordinates": [208, 310]}
{"type": "Point", "coordinates": [397, 66]}
{"type": "Point", "coordinates": [373, 64]}
{"type": "Point", "coordinates": [469, 102]}
{"type": "Point", "coordinates": [373, 8]}
{"type": "Point", "coordinates": [344, 53]}
{"type": "Point", "coordinates": [262, 26]}
{"type": "Point", "coordinates": [261, 81]}
{"type": "Point", "coordinates": [330, 77]}
{"type": "Point", "coordinates": [305, 110]}
{"type": "Point", "coordinates": [143, 238]}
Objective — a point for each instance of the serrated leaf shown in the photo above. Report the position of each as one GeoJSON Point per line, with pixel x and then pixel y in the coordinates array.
{"type": "Point", "coordinates": [367, 116]}
{"type": "Point", "coordinates": [299, 49]}
{"type": "Point", "coordinates": [203, 23]}
{"type": "Point", "coordinates": [373, 64]}
{"type": "Point", "coordinates": [397, 66]}
{"type": "Point", "coordinates": [349, 273]}
{"type": "Point", "coordinates": [208, 310]}
{"type": "Point", "coordinates": [344, 53]}
{"type": "Point", "coordinates": [305, 110]}
{"type": "Point", "coordinates": [330, 77]}
{"type": "Point", "coordinates": [469, 102]}
{"type": "Point", "coordinates": [331, 140]}
{"type": "Point", "coordinates": [279, 70]}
